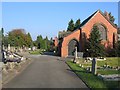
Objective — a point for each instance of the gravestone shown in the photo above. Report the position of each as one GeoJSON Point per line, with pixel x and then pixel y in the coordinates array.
{"type": "Point", "coordinates": [21, 49]}
{"type": "Point", "coordinates": [13, 49]}
{"type": "Point", "coordinates": [4, 56]}
{"type": "Point", "coordinates": [3, 47]}
{"type": "Point", "coordinates": [89, 69]}
{"type": "Point", "coordinates": [94, 66]}
{"type": "Point", "coordinates": [8, 47]}
{"type": "Point", "coordinates": [77, 62]}
{"type": "Point", "coordinates": [80, 65]}
{"type": "Point", "coordinates": [75, 55]}
{"type": "Point", "coordinates": [79, 54]}
{"type": "Point", "coordinates": [33, 48]}
{"type": "Point", "coordinates": [75, 52]}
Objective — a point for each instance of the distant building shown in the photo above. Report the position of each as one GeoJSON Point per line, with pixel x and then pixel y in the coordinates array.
{"type": "Point", "coordinates": [55, 41]}
{"type": "Point", "coordinates": [67, 42]}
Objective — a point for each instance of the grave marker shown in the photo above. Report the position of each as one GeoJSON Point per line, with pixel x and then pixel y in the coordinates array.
{"type": "Point", "coordinates": [79, 54]}
{"type": "Point", "coordinates": [94, 66]}
{"type": "Point", "coordinates": [8, 47]}
{"type": "Point", "coordinates": [75, 52]}
{"type": "Point", "coordinates": [75, 55]}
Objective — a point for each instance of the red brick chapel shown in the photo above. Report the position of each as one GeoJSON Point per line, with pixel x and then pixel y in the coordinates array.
{"type": "Point", "coordinates": [107, 29]}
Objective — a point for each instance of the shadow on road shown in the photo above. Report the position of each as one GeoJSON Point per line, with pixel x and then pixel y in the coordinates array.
{"type": "Point", "coordinates": [61, 59]}
{"type": "Point", "coordinates": [49, 53]}
{"type": "Point", "coordinates": [58, 57]}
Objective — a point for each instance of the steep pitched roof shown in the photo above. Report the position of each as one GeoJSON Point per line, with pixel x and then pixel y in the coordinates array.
{"type": "Point", "coordinates": [86, 20]}
{"type": "Point", "coordinates": [108, 19]}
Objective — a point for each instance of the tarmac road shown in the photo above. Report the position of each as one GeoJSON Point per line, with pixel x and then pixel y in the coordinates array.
{"type": "Point", "coordinates": [46, 72]}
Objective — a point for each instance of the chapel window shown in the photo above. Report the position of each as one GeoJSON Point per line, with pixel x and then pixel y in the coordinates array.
{"type": "Point", "coordinates": [102, 31]}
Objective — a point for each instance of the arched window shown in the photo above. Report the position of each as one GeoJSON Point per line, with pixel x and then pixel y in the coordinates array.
{"type": "Point", "coordinates": [103, 32]}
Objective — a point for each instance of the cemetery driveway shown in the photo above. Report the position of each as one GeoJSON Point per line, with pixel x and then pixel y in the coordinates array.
{"type": "Point", "coordinates": [46, 72]}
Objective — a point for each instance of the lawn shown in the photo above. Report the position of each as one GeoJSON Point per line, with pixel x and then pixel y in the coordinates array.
{"type": "Point", "coordinates": [36, 52]}
{"type": "Point", "coordinates": [91, 80]}
{"type": "Point", "coordinates": [107, 72]}
{"type": "Point", "coordinates": [111, 61]}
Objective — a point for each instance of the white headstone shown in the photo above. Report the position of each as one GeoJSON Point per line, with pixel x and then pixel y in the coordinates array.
{"type": "Point", "coordinates": [75, 52]}
{"type": "Point", "coordinates": [4, 53]}
{"type": "Point", "coordinates": [3, 47]}
{"type": "Point", "coordinates": [8, 47]}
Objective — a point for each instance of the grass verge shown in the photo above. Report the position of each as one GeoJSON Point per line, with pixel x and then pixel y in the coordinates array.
{"type": "Point", "coordinates": [91, 80]}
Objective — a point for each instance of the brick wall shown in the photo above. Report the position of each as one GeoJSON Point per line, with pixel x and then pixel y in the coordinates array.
{"type": "Point", "coordinates": [98, 18]}
{"type": "Point", "coordinates": [55, 41]}
{"type": "Point", "coordinates": [64, 49]}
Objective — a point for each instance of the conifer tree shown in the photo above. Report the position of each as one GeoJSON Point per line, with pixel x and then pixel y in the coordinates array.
{"type": "Point", "coordinates": [29, 40]}
{"type": "Point", "coordinates": [77, 24]}
{"type": "Point", "coordinates": [95, 48]}
{"type": "Point", "coordinates": [112, 19]}
{"type": "Point", "coordinates": [70, 26]}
